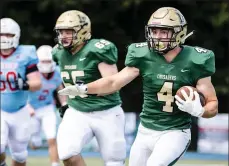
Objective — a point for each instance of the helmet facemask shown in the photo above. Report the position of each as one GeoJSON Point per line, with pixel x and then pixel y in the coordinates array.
{"type": "Point", "coordinates": [165, 44]}
{"type": "Point", "coordinates": [171, 19]}
{"type": "Point", "coordinates": [46, 66]}
{"type": "Point", "coordinates": [63, 41]}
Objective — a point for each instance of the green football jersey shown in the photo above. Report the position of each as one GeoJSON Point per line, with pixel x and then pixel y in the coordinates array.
{"type": "Point", "coordinates": [161, 80]}
{"type": "Point", "coordinates": [84, 66]}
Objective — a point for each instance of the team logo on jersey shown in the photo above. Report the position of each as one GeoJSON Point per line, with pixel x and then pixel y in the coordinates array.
{"type": "Point", "coordinates": [70, 67]}
{"type": "Point", "coordinates": [166, 77]}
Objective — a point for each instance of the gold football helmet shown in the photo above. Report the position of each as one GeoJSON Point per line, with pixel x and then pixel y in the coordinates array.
{"type": "Point", "coordinates": [76, 21]}
{"type": "Point", "coordinates": [170, 19]}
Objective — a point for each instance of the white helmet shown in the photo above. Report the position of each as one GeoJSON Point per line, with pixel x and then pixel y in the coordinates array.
{"type": "Point", "coordinates": [9, 26]}
{"type": "Point", "coordinates": [45, 64]}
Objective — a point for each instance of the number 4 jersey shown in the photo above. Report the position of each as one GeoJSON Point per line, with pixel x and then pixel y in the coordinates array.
{"type": "Point", "coordinates": [161, 80]}
{"type": "Point", "coordinates": [84, 66]}
{"type": "Point", "coordinates": [21, 62]}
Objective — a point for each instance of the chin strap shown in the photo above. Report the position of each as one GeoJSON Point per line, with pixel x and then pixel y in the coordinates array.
{"type": "Point", "coordinates": [187, 36]}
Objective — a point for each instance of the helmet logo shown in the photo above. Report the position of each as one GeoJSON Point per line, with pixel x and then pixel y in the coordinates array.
{"type": "Point", "coordinates": [82, 19]}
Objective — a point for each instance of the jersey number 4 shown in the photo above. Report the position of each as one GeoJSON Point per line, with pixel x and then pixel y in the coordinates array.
{"type": "Point", "coordinates": [166, 95]}
{"type": "Point", "coordinates": [72, 76]}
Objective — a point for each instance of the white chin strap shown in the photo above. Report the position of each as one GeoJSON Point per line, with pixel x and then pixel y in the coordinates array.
{"type": "Point", "coordinates": [46, 68]}
{"type": "Point", "coordinates": [188, 35]}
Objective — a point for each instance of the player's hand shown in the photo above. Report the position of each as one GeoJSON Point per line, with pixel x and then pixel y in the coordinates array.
{"type": "Point", "coordinates": [21, 84]}
{"type": "Point", "coordinates": [79, 89]}
{"type": "Point", "coordinates": [62, 110]}
{"type": "Point", "coordinates": [189, 105]}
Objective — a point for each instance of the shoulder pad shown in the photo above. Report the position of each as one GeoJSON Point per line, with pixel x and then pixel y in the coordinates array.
{"type": "Point", "coordinates": [27, 48]}
{"type": "Point", "coordinates": [203, 61]}
{"type": "Point", "coordinates": [140, 45]}
{"type": "Point", "coordinates": [138, 49]}
{"type": "Point", "coordinates": [201, 55]}
{"type": "Point", "coordinates": [56, 48]}
{"type": "Point", "coordinates": [201, 50]}
{"type": "Point", "coordinates": [27, 51]}
{"type": "Point", "coordinates": [102, 44]}
{"type": "Point", "coordinates": [105, 50]}
{"type": "Point", "coordinates": [29, 54]}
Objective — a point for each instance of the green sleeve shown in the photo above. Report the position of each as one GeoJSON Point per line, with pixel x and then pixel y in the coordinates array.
{"type": "Point", "coordinates": [205, 66]}
{"type": "Point", "coordinates": [131, 60]}
{"type": "Point", "coordinates": [106, 52]}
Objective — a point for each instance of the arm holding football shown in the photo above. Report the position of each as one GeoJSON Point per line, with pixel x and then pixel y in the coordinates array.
{"type": "Point", "coordinates": [205, 86]}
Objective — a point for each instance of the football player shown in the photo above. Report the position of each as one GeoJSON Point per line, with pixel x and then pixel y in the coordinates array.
{"type": "Point", "coordinates": [83, 59]}
{"type": "Point", "coordinates": [19, 74]}
{"type": "Point", "coordinates": [42, 103]}
{"type": "Point", "coordinates": [165, 65]}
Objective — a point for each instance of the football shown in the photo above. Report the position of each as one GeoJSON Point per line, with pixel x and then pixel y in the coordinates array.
{"type": "Point", "coordinates": [202, 98]}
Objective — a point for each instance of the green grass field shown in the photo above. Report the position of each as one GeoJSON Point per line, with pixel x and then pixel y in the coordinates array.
{"type": "Point", "coordinates": [44, 161]}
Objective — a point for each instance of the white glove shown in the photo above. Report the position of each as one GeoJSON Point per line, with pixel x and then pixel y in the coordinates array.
{"type": "Point", "coordinates": [188, 105]}
{"type": "Point", "coordinates": [74, 90]}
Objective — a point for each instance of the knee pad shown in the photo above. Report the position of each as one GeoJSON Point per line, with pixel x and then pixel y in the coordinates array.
{"type": "Point", "coordinates": [115, 163]}
{"type": "Point", "coordinates": [36, 141]}
{"type": "Point", "coordinates": [20, 156]}
{"type": "Point", "coordinates": [66, 146]}
{"type": "Point", "coordinates": [116, 152]}
{"type": "Point", "coordinates": [67, 155]}
{"type": "Point", "coordinates": [66, 152]}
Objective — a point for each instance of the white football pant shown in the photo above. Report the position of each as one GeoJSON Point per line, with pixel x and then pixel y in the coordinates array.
{"type": "Point", "coordinates": [15, 133]}
{"type": "Point", "coordinates": [45, 119]}
{"type": "Point", "coordinates": [158, 148]}
{"type": "Point", "coordinates": [78, 128]}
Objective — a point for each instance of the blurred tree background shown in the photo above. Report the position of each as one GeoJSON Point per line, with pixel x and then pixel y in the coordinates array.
{"type": "Point", "coordinates": [123, 22]}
